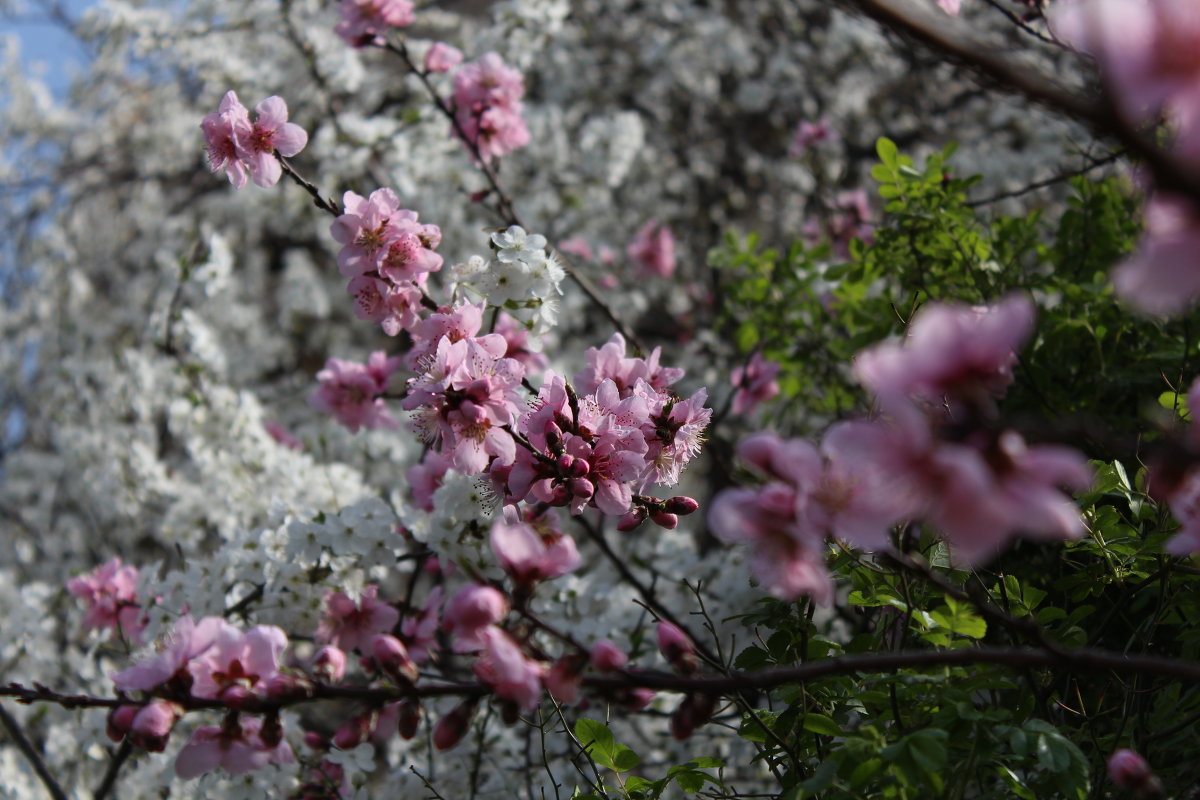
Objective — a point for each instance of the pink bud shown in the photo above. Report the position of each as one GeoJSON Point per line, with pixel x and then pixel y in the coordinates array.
{"type": "Point", "coordinates": [282, 686]}
{"type": "Point", "coordinates": [391, 656]}
{"type": "Point", "coordinates": [236, 697]}
{"type": "Point", "coordinates": [408, 718]}
{"type": "Point", "coordinates": [580, 468]}
{"type": "Point", "coordinates": [453, 727]}
{"type": "Point", "coordinates": [329, 664]}
{"type": "Point", "coordinates": [639, 698]}
{"type": "Point", "coordinates": [120, 720]}
{"type": "Point", "coordinates": [694, 711]}
{"type": "Point", "coordinates": [582, 488]}
{"type": "Point", "coordinates": [152, 725]}
{"type": "Point", "coordinates": [315, 741]}
{"type": "Point", "coordinates": [631, 519]}
{"type": "Point", "coordinates": [353, 732]}
{"type": "Point", "coordinates": [607, 657]}
{"type": "Point", "coordinates": [665, 520]}
{"type": "Point", "coordinates": [1129, 770]}
{"type": "Point", "coordinates": [676, 647]}
{"type": "Point", "coordinates": [565, 461]}
{"type": "Point", "coordinates": [681, 505]}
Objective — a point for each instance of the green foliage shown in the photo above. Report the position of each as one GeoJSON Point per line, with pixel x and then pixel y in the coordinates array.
{"type": "Point", "coordinates": [1107, 380]}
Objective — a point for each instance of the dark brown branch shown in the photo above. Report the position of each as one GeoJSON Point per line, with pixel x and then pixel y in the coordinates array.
{"type": "Point", "coordinates": [31, 754]}
{"type": "Point", "coordinates": [1100, 115]}
{"type": "Point", "coordinates": [323, 203]}
{"type": "Point", "coordinates": [110, 775]}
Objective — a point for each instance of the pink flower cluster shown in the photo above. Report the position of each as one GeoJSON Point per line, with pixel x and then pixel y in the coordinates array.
{"type": "Point", "coordinates": [466, 395]}
{"type": "Point", "coordinates": [931, 458]}
{"type": "Point", "coordinates": [363, 22]}
{"type": "Point", "coordinates": [487, 106]}
{"type": "Point", "coordinates": [110, 592]}
{"type": "Point", "coordinates": [387, 255]}
{"type": "Point", "coordinates": [208, 660]}
{"type": "Point", "coordinates": [1149, 53]}
{"type": "Point", "coordinates": [653, 251]}
{"type": "Point", "coordinates": [242, 148]}
{"type": "Point", "coordinates": [353, 392]}
{"type": "Point", "coordinates": [606, 445]}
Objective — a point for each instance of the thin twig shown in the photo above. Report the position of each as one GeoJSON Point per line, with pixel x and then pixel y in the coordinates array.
{"type": "Point", "coordinates": [114, 766]}
{"type": "Point", "coordinates": [35, 759]}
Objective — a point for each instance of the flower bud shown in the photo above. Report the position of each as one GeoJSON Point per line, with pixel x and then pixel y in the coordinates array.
{"type": "Point", "coordinates": [582, 488]}
{"type": "Point", "coordinates": [631, 519]}
{"type": "Point", "coordinates": [236, 697]}
{"type": "Point", "coordinates": [282, 686]}
{"type": "Point", "coordinates": [681, 505]}
{"type": "Point", "coordinates": [329, 664]}
{"type": "Point", "coordinates": [694, 711]}
{"type": "Point", "coordinates": [408, 720]}
{"type": "Point", "coordinates": [676, 647]}
{"type": "Point", "coordinates": [120, 720]}
{"type": "Point", "coordinates": [565, 461]}
{"type": "Point", "coordinates": [353, 732]}
{"type": "Point", "coordinates": [315, 741]}
{"type": "Point", "coordinates": [665, 520]}
{"type": "Point", "coordinates": [152, 725]}
{"type": "Point", "coordinates": [639, 698]}
{"type": "Point", "coordinates": [580, 468]}
{"type": "Point", "coordinates": [607, 657]}
{"type": "Point", "coordinates": [453, 727]}
{"type": "Point", "coordinates": [391, 656]}
{"type": "Point", "coordinates": [1129, 770]}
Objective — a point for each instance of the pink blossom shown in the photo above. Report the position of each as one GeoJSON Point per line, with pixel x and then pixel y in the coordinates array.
{"type": "Point", "coordinates": [951, 7]}
{"type": "Point", "coordinates": [271, 132]}
{"type": "Point", "coordinates": [503, 666]}
{"type": "Point", "coordinates": [364, 22]}
{"type": "Point", "coordinates": [441, 57]}
{"type": "Point", "coordinates": [420, 630]}
{"type": "Point", "coordinates": [653, 250]}
{"type": "Point", "coordinates": [755, 383]}
{"type": "Point", "coordinates": [1128, 770]}
{"type": "Point", "coordinates": [810, 134]}
{"type": "Point", "coordinates": [392, 659]}
{"type": "Point", "coordinates": [236, 659]}
{"type": "Point", "coordinates": [223, 129]}
{"type": "Point", "coordinates": [609, 362]}
{"type": "Point", "coordinates": [1149, 52]}
{"type": "Point", "coordinates": [110, 592]}
{"type": "Point", "coordinates": [362, 230]}
{"type": "Point", "coordinates": [607, 657]}
{"type": "Point", "coordinates": [1162, 277]}
{"type": "Point", "coordinates": [425, 478]}
{"type": "Point", "coordinates": [564, 678]}
{"type": "Point", "coordinates": [351, 392]}
{"type": "Point", "coordinates": [955, 355]}
{"type": "Point", "coordinates": [487, 105]}
{"type": "Point", "coordinates": [529, 555]}
{"type": "Point", "coordinates": [470, 612]}
{"type": "Point", "coordinates": [350, 625]}
{"type": "Point", "coordinates": [171, 655]}
{"type": "Point", "coordinates": [676, 647]}
{"type": "Point", "coordinates": [516, 336]}
{"type": "Point", "coordinates": [238, 748]}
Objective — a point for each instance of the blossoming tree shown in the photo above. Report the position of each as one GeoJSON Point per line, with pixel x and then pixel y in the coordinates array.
{"type": "Point", "coordinates": [597, 399]}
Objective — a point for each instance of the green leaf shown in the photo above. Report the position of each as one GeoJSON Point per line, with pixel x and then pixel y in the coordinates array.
{"type": "Point", "coordinates": [886, 149]}
{"type": "Point", "coordinates": [819, 723]}
{"type": "Point", "coordinates": [598, 740]}
{"type": "Point", "coordinates": [625, 759]}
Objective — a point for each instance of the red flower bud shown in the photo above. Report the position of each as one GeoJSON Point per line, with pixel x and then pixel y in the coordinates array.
{"type": "Point", "coordinates": [120, 720]}
{"type": "Point", "coordinates": [665, 520]}
{"type": "Point", "coordinates": [681, 505]}
{"type": "Point", "coordinates": [453, 727]}
{"type": "Point", "coordinates": [409, 718]}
